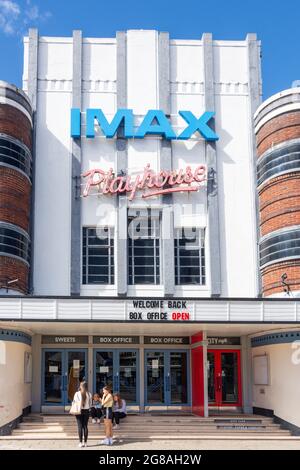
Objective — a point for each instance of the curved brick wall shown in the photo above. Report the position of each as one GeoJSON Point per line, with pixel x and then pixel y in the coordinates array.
{"type": "Point", "coordinates": [277, 127]}
{"type": "Point", "coordinates": [279, 201]}
{"type": "Point", "coordinates": [14, 123]}
{"type": "Point", "coordinates": [15, 193]}
{"type": "Point", "coordinates": [277, 130]}
{"type": "Point", "coordinates": [15, 187]}
{"type": "Point", "coordinates": [11, 268]}
{"type": "Point", "coordinates": [271, 276]}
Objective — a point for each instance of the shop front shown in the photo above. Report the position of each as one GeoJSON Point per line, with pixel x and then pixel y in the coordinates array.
{"type": "Point", "coordinates": [198, 366]}
{"type": "Point", "coordinates": [150, 372]}
{"type": "Point", "coordinates": [144, 366]}
{"type": "Point", "coordinates": [144, 369]}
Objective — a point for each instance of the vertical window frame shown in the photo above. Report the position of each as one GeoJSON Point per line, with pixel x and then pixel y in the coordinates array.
{"type": "Point", "coordinates": [85, 278]}
{"type": "Point", "coordinates": [201, 248]}
{"type": "Point", "coordinates": [153, 226]}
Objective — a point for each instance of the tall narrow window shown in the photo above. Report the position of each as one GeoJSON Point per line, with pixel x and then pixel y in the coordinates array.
{"type": "Point", "coordinates": [189, 256]}
{"type": "Point", "coordinates": [143, 250]}
{"type": "Point", "coordinates": [98, 255]}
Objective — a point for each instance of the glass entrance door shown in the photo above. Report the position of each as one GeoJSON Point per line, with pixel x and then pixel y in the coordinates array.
{"type": "Point", "coordinates": [63, 370]}
{"type": "Point", "coordinates": [224, 377]}
{"type": "Point", "coordinates": [119, 370]}
{"type": "Point", "coordinates": [166, 377]}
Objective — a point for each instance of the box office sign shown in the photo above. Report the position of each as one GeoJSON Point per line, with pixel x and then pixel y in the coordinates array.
{"type": "Point", "coordinates": [175, 340]}
{"type": "Point", "coordinates": [159, 310]}
{"type": "Point", "coordinates": [61, 339]}
{"type": "Point", "coordinates": [116, 339]}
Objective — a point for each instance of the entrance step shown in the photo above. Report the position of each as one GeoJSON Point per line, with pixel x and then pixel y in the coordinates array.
{"type": "Point", "coordinates": [153, 427]}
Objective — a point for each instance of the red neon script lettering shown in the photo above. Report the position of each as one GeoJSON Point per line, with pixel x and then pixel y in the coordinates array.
{"type": "Point", "coordinates": [152, 184]}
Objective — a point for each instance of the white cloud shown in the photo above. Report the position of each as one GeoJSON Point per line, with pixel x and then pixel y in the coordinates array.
{"type": "Point", "coordinates": [13, 17]}
{"type": "Point", "coordinates": [9, 7]}
{"type": "Point", "coordinates": [9, 14]}
{"type": "Point", "coordinates": [33, 12]}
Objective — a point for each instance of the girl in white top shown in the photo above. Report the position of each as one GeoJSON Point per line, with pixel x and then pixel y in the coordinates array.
{"type": "Point", "coordinates": [85, 398]}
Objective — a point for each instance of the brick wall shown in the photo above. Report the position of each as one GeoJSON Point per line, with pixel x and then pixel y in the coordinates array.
{"type": "Point", "coordinates": [15, 196]}
{"type": "Point", "coordinates": [279, 200]}
{"type": "Point", "coordinates": [15, 192]}
{"type": "Point", "coordinates": [14, 123]}
{"type": "Point", "coordinates": [277, 130]}
{"type": "Point", "coordinates": [271, 277]}
{"type": "Point", "coordinates": [12, 268]}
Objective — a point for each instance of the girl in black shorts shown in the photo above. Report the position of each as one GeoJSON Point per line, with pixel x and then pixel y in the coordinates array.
{"type": "Point", "coordinates": [107, 404]}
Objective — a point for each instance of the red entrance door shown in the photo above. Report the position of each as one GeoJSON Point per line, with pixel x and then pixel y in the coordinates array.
{"type": "Point", "coordinates": [224, 377]}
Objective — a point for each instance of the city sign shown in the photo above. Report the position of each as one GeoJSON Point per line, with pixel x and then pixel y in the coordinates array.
{"type": "Point", "coordinates": [155, 122]}
{"type": "Point", "coordinates": [223, 340]}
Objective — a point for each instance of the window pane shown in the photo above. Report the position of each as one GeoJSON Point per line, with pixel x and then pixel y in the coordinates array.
{"type": "Point", "coordinates": [143, 251]}
{"type": "Point", "coordinates": [97, 256]}
{"type": "Point", "coordinates": [189, 256]}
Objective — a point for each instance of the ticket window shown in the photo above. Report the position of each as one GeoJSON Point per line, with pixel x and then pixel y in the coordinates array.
{"type": "Point", "coordinates": [63, 370]}
{"type": "Point", "coordinates": [166, 377]}
{"type": "Point", "coordinates": [119, 370]}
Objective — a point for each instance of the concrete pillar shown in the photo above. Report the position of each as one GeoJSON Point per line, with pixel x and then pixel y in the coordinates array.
{"type": "Point", "coordinates": [166, 164]}
{"type": "Point", "coordinates": [211, 159]}
{"type": "Point", "coordinates": [32, 93]}
{"type": "Point", "coordinates": [121, 232]}
{"type": "Point", "coordinates": [254, 80]}
{"type": "Point", "coordinates": [246, 366]}
{"type": "Point", "coordinates": [36, 376]}
{"type": "Point", "coordinates": [76, 170]}
{"type": "Point", "coordinates": [91, 365]}
{"type": "Point", "coordinates": [142, 375]}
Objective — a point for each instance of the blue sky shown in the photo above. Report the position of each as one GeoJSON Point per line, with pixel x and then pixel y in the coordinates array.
{"type": "Point", "coordinates": [276, 24]}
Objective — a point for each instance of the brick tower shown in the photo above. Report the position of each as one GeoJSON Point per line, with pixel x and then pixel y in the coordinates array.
{"type": "Point", "coordinates": [277, 128]}
{"type": "Point", "coordinates": [15, 188]}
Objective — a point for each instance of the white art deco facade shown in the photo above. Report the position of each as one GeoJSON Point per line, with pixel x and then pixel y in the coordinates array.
{"type": "Point", "coordinates": [140, 261]}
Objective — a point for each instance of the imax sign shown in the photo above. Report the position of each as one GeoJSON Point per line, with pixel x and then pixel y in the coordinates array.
{"type": "Point", "coordinates": [155, 122]}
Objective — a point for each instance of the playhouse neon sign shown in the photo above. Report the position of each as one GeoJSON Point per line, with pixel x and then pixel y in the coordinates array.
{"type": "Point", "coordinates": [155, 122]}
{"type": "Point", "coordinates": [150, 183]}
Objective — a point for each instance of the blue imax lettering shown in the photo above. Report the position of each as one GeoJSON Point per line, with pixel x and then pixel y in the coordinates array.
{"type": "Point", "coordinates": [155, 122]}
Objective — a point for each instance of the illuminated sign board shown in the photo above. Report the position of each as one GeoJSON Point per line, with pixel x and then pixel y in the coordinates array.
{"type": "Point", "coordinates": [149, 183]}
{"type": "Point", "coordinates": [155, 122]}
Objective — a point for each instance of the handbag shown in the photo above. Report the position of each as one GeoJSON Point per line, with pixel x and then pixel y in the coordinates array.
{"type": "Point", "coordinates": [75, 408]}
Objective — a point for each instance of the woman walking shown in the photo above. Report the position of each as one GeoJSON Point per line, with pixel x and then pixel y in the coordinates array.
{"type": "Point", "coordinates": [119, 410]}
{"type": "Point", "coordinates": [107, 404]}
{"type": "Point", "coordinates": [83, 399]}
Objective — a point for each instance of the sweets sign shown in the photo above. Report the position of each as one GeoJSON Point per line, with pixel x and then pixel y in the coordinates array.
{"type": "Point", "coordinates": [150, 183]}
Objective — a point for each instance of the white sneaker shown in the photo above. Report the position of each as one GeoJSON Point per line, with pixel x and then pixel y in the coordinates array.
{"type": "Point", "coordinates": [85, 444]}
{"type": "Point", "coordinates": [80, 444]}
{"type": "Point", "coordinates": [94, 421]}
{"type": "Point", "coordinates": [110, 441]}
{"type": "Point", "coordinates": [98, 421]}
{"type": "Point", "coordinates": [116, 426]}
{"type": "Point", "coordinates": [105, 442]}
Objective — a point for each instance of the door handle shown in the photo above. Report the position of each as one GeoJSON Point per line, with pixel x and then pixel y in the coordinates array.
{"type": "Point", "coordinates": [219, 383]}
{"type": "Point", "coordinates": [116, 380]}
{"type": "Point", "coordinates": [167, 383]}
